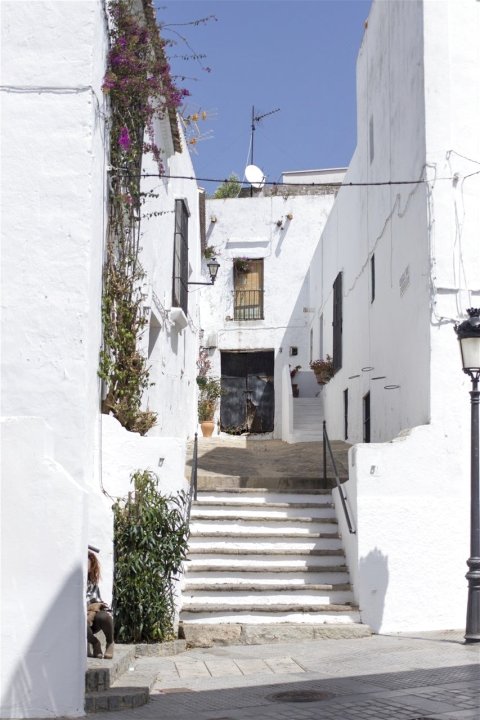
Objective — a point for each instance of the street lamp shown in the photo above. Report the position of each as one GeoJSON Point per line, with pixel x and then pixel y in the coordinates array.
{"type": "Point", "coordinates": [213, 266]}
{"type": "Point", "coordinates": [468, 334]}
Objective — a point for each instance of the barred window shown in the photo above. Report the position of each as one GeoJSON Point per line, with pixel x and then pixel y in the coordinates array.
{"type": "Point", "coordinates": [180, 257]}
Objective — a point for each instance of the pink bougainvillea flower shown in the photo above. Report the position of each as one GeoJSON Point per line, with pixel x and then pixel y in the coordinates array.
{"type": "Point", "coordinates": [124, 139]}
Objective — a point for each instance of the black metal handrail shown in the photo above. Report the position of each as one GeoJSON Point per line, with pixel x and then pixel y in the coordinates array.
{"type": "Point", "coordinates": [192, 493]}
{"type": "Point", "coordinates": [343, 497]}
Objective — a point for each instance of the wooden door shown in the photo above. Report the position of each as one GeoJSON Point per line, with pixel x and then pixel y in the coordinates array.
{"type": "Point", "coordinates": [248, 402]}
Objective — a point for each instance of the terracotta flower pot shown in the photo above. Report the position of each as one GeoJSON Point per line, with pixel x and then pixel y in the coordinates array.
{"type": "Point", "coordinates": [208, 427]}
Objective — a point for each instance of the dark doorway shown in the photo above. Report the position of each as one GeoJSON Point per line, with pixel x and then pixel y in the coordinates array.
{"type": "Point", "coordinates": [366, 418]}
{"type": "Point", "coordinates": [248, 402]}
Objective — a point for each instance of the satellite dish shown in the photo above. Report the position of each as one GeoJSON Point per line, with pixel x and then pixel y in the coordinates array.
{"type": "Point", "coordinates": [255, 176]}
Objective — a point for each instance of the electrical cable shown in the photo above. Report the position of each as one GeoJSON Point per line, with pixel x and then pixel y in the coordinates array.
{"type": "Point", "coordinates": [379, 183]}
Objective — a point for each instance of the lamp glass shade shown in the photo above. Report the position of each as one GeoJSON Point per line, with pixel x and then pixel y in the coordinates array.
{"type": "Point", "coordinates": [213, 266]}
{"type": "Point", "coordinates": [470, 350]}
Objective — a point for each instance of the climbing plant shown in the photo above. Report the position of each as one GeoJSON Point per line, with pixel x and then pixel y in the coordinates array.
{"type": "Point", "coordinates": [140, 88]}
{"type": "Point", "coordinates": [150, 542]}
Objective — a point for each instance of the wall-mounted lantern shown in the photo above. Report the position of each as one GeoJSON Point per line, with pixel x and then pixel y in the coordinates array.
{"type": "Point", "coordinates": [213, 266]}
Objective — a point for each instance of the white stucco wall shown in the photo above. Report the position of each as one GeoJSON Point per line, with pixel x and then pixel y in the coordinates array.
{"type": "Point", "coordinates": [410, 497]}
{"type": "Point", "coordinates": [247, 227]}
{"type": "Point", "coordinates": [407, 559]}
{"type": "Point", "coordinates": [43, 645]}
{"type": "Point", "coordinates": [53, 184]}
{"type": "Point", "coordinates": [389, 222]}
{"type": "Point", "coordinates": [123, 453]}
{"type": "Point", "coordinates": [174, 353]}
{"type": "Point", "coordinates": [52, 220]}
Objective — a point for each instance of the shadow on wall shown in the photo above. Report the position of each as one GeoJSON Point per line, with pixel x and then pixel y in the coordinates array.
{"type": "Point", "coordinates": [49, 680]}
{"type": "Point", "coordinates": [373, 583]}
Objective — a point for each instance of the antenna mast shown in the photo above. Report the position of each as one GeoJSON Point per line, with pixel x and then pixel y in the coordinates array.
{"type": "Point", "coordinates": [256, 119]}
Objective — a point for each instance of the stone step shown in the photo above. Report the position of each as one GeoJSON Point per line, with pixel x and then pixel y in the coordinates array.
{"type": "Point", "coordinates": [279, 587]}
{"type": "Point", "coordinates": [266, 543]}
{"type": "Point", "coordinates": [259, 497]}
{"type": "Point", "coordinates": [101, 674]}
{"type": "Point", "coordinates": [247, 579]}
{"type": "Point", "coordinates": [268, 513]}
{"type": "Point", "coordinates": [105, 686]}
{"type": "Point", "coordinates": [305, 435]}
{"type": "Point", "coordinates": [273, 482]}
{"type": "Point", "coordinates": [268, 566]}
{"type": "Point", "coordinates": [253, 503]}
{"type": "Point", "coordinates": [199, 634]}
{"type": "Point", "coordinates": [247, 549]}
{"type": "Point", "coordinates": [116, 698]}
{"type": "Point", "coordinates": [259, 492]}
{"type": "Point", "coordinates": [263, 526]}
{"type": "Point", "coordinates": [301, 600]}
{"type": "Point", "coordinates": [341, 614]}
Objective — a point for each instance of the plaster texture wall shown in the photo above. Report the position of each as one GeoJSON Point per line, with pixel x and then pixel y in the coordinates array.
{"type": "Point", "coordinates": [389, 222]}
{"type": "Point", "coordinates": [43, 646]}
{"type": "Point", "coordinates": [172, 349]}
{"type": "Point", "coordinates": [52, 220]}
{"type": "Point", "coordinates": [411, 496]}
{"type": "Point", "coordinates": [247, 227]}
{"type": "Point", "coordinates": [123, 453]}
{"type": "Point", "coordinates": [407, 560]}
{"type": "Point", "coordinates": [53, 183]}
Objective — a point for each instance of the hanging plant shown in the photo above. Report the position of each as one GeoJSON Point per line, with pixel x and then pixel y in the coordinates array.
{"type": "Point", "coordinates": [242, 264]}
{"type": "Point", "coordinates": [140, 88]}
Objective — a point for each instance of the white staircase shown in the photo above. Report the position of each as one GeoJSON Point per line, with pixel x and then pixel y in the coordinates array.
{"type": "Point", "coordinates": [261, 556]}
{"type": "Point", "coordinates": [307, 419]}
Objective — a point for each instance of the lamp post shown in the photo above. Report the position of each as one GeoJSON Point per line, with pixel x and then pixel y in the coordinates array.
{"type": "Point", "coordinates": [468, 334]}
{"type": "Point", "coordinates": [213, 266]}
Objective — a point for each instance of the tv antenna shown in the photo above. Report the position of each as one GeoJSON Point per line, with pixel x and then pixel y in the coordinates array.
{"type": "Point", "coordinates": [256, 119]}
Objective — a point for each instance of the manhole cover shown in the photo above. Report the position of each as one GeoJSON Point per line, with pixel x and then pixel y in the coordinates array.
{"type": "Point", "coordinates": [300, 696]}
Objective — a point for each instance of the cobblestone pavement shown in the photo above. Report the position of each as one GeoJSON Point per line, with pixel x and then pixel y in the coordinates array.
{"type": "Point", "coordinates": [400, 677]}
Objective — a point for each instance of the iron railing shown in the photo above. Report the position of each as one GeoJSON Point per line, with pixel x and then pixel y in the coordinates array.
{"type": "Point", "coordinates": [248, 305]}
{"type": "Point", "coordinates": [192, 493]}
{"type": "Point", "coordinates": [343, 497]}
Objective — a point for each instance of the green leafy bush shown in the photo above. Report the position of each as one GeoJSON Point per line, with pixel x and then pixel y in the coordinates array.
{"type": "Point", "coordinates": [150, 542]}
{"type": "Point", "coordinates": [230, 188]}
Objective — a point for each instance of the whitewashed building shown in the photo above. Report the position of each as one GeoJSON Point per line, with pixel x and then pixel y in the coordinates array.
{"type": "Point", "coordinates": [401, 264]}
{"type": "Point", "coordinates": [256, 318]}
{"type": "Point", "coordinates": [62, 461]}
{"type": "Point", "coordinates": [378, 285]}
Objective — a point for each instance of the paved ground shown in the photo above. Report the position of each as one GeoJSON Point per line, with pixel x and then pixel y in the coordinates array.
{"type": "Point", "coordinates": [406, 677]}
{"type": "Point", "coordinates": [255, 457]}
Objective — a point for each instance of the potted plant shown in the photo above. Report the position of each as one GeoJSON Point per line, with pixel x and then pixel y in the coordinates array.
{"type": "Point", "coordinates": [209, 252]}
{"type": "Point", "coordinates": [323, 369]}
{"type": "Point", "coordinates": [241, 264]}
{"type": "Point", "coordinates": [295, 388]}
{"type": "Point", "coordinates": [210, 391]}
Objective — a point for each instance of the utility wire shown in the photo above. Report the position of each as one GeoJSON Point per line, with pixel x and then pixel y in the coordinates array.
{"type": "Point", "coordinates": [293, 185]}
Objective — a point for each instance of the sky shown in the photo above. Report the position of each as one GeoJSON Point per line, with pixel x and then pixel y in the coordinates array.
{"type": "Point", "coordinates": [295, 55]}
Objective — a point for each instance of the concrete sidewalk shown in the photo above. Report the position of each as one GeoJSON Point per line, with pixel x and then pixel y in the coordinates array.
{"type": "Point", "coordinates": [401, 677]}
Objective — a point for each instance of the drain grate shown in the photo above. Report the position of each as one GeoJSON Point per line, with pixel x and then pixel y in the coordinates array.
{"type": "Point", "coordinates": [298, 696]}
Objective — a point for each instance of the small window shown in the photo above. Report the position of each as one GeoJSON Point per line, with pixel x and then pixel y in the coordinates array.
{"type": "Point", "coordinates": [320, 341]}
{"type": "Point", "coordinates": [337, 322]}
{"type": "Point", "coordinates": [248, 289]}
{"type": "Point", "coordinates": [180, 257]}
{"type": "Point", "coordinates": [372, 278]}
{"type": "Point", "coordinates": [366, 418]}
{"type": "Point", "coordinates": [345, 413]}
{"type": "Point", "coordinates": [370, 139]}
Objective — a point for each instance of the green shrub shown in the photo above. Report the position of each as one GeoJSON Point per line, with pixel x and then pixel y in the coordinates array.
{"type": "Point", "coordinates": [150, 544]}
